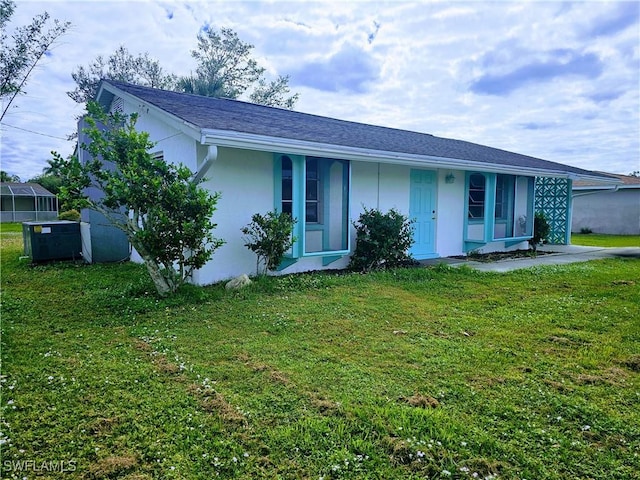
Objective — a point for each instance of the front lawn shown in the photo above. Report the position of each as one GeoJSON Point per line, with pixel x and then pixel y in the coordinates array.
{"type": "Point", "coordinates": [601, 240]}
{"type": "Point", "coordinates": [411, 374]}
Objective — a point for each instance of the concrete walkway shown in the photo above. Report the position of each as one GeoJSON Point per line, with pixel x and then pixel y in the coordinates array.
{"type": "Point", "coordinates": [562, 255]}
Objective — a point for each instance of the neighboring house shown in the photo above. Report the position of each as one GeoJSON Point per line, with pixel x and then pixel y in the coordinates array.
{"type": "Point", "coordinates": [463, 196]}
{"type": "Point", "coordinates": [23, 202]}
{"type": "Point", "coordinates": [612, 208]}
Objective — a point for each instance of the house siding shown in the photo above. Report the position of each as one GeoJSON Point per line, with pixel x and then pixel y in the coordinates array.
{"type": "Point", "coordinates": [609, 212]}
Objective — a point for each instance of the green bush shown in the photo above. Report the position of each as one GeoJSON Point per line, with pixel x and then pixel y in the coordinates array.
{"type": "Point", "coordinates": [269, 236]}
{"type": "Point", "coordinates": [586, 230]}
{"type": "Point", "coordinates": [541, 230]}
{"type": "Point", "coordinates": [72, 215]}
{"type": "Point", "coordinates": [382, 240]}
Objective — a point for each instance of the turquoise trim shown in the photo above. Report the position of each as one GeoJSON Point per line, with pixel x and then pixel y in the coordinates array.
{"type": "Point", "coordinates": [346, 217]}
{"type": "Point", "coordinates": [299, 190]}
{"type": "Point", "coordinates": [489, 207]}
{"type": "Point", "coordinates": [329, 259]}
{"type": "Point", "coordinates": [328, 254]}
{"type": "Point", "coordinates": [277, 183]}
{"type": "Point", "coordinates": [489, 221]}
{"type": "Point", "coordinates": [298, 207]}
{"type": "Point", "coordinates": [567, 233]}
{"type": "Point", "coordinates": [430, 256]}
{"type": "Point", "coordinates": [467, 240]}
{"type": "Point", "coordinates": [325, 220]}
{"type": "Point", "coordinates": [286, 262]}
{"type": "Point", "coordinates": [531, 208]}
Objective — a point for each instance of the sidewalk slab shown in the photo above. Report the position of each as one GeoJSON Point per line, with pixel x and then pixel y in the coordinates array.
{"type": "Point", "coordinates": [556, 255]}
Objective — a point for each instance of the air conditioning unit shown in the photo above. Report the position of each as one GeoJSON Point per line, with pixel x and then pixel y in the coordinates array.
{"type": "Point", "coordinates": [46, 241]}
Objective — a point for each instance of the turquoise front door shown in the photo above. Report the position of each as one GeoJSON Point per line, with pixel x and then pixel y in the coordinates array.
{"type": "Point", "coordinates": [422, 208]}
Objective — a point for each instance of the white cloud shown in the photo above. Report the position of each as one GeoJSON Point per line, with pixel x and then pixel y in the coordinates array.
{"type": "Point", "coordinates": [415, 72]}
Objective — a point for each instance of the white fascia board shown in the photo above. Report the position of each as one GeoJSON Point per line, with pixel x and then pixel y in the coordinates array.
{"type": "Point", "coordinates": [179, 124]}
{"type": "Point", "coordinates": [225, 138]}
{"type": "Point", "coordinates": [618, 185]}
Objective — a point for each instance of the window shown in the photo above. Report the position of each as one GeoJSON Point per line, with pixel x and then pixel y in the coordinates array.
{"type": "Point", "coordinates": [318, 190]}
{"type": "Point", "coordinates": [477, 187]}
{"type": "Point", "coordinates": [500, 207]}
{"type": "Point", "coordinates": [287, 185]}
{"type": "Point", "coordinates": [504, 196]}
{"type": "Point", "coordinates": [312, 206]}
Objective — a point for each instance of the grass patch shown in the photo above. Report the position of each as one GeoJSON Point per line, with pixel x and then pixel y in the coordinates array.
{"type": "Point", "coordinates": [601, 240]}
{"type": "Point", "coordinates": [416, 373]}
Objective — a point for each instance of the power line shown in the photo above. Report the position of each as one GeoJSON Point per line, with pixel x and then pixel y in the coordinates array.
{"type": "Point", "coordinates": [34, 132]}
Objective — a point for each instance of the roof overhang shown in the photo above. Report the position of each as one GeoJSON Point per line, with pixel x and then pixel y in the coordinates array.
{"type": "Point", "coordinates": [248, 141]}
{"type": "Point", "coordinates": [225, 138]}
{"type": "Point", "coordinates": [107, 92]}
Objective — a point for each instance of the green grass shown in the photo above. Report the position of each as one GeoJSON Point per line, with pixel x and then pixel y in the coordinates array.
{"type": "Point", "coordinates": [404, 374]}
{"type": "Point", "coordinates": [601, 240]}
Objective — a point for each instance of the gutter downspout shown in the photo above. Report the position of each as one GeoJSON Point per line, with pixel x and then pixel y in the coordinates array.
{"type": "Point", "coordinates": [209, 159]}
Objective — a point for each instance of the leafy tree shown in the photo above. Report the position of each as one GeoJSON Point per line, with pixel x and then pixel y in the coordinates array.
{"type": "Point", "coordinates": [226, 69]}
{"type": "Point", "coordinates": [7, 177]}
{"type": "Point", "coordinates": [122, 66]}
{"type": "Point", "coordinates": [269, 236]}
{"type": "Point", "coordinates": [53, 183]}
{"type": "Point", "coordinates": [19, 56]}
{"type": "Point", "coordinates": [165, 214]}
{"type": "Point", "coordinates": [225, 62]}
{"type": "Point", "coordinates": [382, 240]}
{"type": "Point", "coordinates": [274, 93]}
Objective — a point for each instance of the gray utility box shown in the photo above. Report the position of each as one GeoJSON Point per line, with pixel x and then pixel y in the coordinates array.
{"type": "Point", "coordinates": [45, 241]}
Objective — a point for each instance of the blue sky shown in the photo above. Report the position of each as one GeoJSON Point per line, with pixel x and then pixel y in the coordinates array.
{"type": "Point", "coordinates": [555, 80]}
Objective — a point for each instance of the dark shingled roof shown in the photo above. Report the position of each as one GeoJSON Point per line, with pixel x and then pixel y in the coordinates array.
{"type": "Point", "coordinates": [237, 116]}
{"type": "Point", "coordinates": [626, 180]}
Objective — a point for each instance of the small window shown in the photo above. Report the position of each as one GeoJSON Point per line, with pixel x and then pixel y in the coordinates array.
{"type": "Point", "coordinates": [477, 189]}
{"type": "Point", "coordinates": [287, 185]}
{"type": "Point", "coordinates": [504, 196]}
{"type": "Point", "coordinates": [312, 206]}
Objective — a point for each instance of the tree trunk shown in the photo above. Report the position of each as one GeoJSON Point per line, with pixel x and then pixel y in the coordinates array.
{"type": "Point", "coordinates": [159, 280]}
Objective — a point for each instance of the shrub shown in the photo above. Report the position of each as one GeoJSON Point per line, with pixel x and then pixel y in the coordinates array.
{"type": "Point", "coordinates": [269, 236]}
{"type": "Point", "coordinates": [382, 240]}
{"type": "Point", "coordinates": [72, 215]}
{"type": "Point", "coordinates": [586, 230]}
{"type": "Point", "coordinates": [541, 229]}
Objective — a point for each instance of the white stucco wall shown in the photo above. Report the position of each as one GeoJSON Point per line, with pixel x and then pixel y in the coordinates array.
{"type": "Point", "coordinates": [450, 214]}
{"type": "Point", "coordinates": [616, 213]}
{"type": "Point", "coordinates": [245, 181]}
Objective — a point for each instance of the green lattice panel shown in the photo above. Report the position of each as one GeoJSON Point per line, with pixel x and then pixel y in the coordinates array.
{"type": "Point", "coordinates": [553, 197]}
